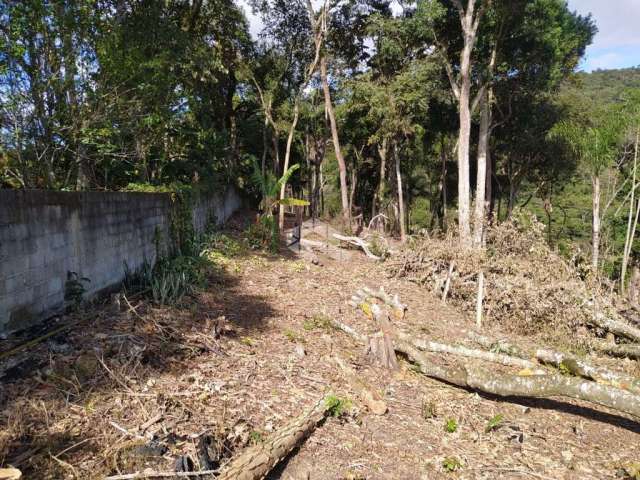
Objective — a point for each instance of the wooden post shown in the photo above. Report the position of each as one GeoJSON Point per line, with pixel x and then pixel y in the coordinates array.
{"type": "Point", "coordinates": [479, 299]}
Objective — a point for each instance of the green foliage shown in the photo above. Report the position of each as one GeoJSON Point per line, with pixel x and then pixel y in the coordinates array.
{"type": "Point", "coordinates": [494, 423]}
{"type": "Point", "coordinates": [451, 425]}
{"type": "Point", "coordinates": [451, 464]}
{"type": "Point", "coordinates": [337, 406]}
{"type": "Point", "coordinates": [74, 289]}
{"type": "Point", "coordinates": [318, 321]}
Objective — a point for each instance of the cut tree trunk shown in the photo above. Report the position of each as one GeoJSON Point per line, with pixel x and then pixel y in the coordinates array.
{"type": "Point", "coordinates": [358, 242]}
{"type": "Point", "coordinates": [399, 308]}
{"type": "Point", "coordinates": [462, 351]}
{"type": "Point", "coordinates": [257, 461]}
{"type": "Point", "coordinates": [536, 386]}
{"type": "Point", "coordinates": [370, 397]}
{"type": "Point", "coordinates": [583, 369]}
{"type": "Point", "coordinates": [564, 362]}
{"type": "Point", "coordinates": [616, 327]}
{"type": "Point", "coordinates": [622, 350]}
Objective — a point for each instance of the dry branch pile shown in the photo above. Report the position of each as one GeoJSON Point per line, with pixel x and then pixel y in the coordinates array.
{"type": "Point", "coordinates": [528, 287]}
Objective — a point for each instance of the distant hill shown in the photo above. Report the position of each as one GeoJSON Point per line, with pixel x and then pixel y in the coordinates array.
{"type": "Point", "coordinates": [605, 86]}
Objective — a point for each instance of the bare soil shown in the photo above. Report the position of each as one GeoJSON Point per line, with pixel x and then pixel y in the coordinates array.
{"type": "Point", "coordinates": [85, 403]}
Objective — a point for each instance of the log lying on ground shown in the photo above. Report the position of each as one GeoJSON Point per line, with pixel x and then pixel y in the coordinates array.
{"type": "Point", "coordinates": [563, 361]}
{"type": "Point", "coordinates": [537, 386]}
{"type": "Point", "coordinates": [498, 346]}
{"type": "Point", "coordinates": [616, 327]}
{"type": "Point", "coordinates": [583, 369]}
{"type": "Point", "coordinates": [369, 397]}
{"type": "Point", "coordinates": [257, 461]}
{"type": "Point", "coordinates": [358, 242]}
{"type": "Point", "coordinates": [621, 350]}
{"type": "Point", "coordinates": [500, 358]}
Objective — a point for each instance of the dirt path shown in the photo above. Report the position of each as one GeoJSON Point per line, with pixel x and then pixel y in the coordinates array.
{"type": "Point", "coordinates": [96, 395]}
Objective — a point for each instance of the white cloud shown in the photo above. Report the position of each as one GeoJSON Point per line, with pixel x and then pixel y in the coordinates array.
{"type": "Point", "coordinates": [617, 21]}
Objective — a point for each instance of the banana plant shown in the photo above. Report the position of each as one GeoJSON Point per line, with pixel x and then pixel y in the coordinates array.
{"type": "Point", "coordinates": [270, 187]}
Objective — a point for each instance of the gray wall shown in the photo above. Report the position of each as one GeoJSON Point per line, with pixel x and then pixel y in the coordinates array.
{"type": "Point", "coordinates": [45, 234]}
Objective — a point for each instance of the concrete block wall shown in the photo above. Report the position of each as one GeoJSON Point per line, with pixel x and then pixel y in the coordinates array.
{"type": "Point", "coordinates": [46, 234]}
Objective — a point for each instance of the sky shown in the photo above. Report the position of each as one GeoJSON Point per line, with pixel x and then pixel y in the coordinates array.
{"type": "Point", "coordinates": [617, 43]}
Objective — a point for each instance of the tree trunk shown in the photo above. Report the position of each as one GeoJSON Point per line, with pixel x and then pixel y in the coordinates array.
{"type": "Point", "coordinates": [443, 180]}
{"type": "Point", "coordinates": [481, 176]}
{"type": "Point", "coordinates": [402, 218]}
{"type": "Point", "coordinates": [537, 386]}
{"type": "Point", "coordinates": [595, 255]}
{"type": "Point", "coordinates": [336, 140]}
{"type": "Point", "coordinates": [628, 243]}
{"type": "Point", "coordinates": [378, 196]}
{"type": "Point", "coordinates": [622, 350]}
{"type": "Point", "coordinates": [617, 327]}
{"type": "Point", "coordinates": [256, 462]}
{"type": "Point", "coordinates": [464, 133]}
{"type": "Point", "coordinates": [287, 156]}
{"type": "Point", "coordinates": [583, 369]}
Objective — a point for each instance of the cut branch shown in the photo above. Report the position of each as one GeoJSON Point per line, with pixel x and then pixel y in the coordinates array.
{"type": "Point", "coordinates": [257, 461]}
{"type": "Point", "coordinates": [583, 369]}
{"type": "Point", "coordinates": [622, 350]}
{"type": "Point", "coordinates": [435, 347]}
{"type": "Point", "coordinates": [358, 242]}
{"type": "Point", "coordinates": [616, 327]}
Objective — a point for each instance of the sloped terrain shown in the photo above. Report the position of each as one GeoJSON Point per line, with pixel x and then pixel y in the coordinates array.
{"type": "Point", "coordinates": [132, 388]}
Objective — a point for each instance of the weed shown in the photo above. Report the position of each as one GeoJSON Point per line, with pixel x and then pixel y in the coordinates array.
{"type": "Point", "coordinates": [248, 341]}
{"type": "Point", "coordinates": [74, 289]}
{"type": "Point", "coordinates": [451, 464]}
{"type": "Point", "coordinates": [337, 406]}
{"type": "Point", "coordinates": [319, 321]}
{"type": "Point", "coordinates": [495, 423]}
{"type": "Point", "coordinates": [256, 437]}
{"type": "Point", "coordinates": [293, 336]}
{"type": "Point", "coordinates": [451, 425]}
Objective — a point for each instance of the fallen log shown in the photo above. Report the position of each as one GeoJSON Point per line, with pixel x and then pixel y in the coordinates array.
{"type": "Point", "coordinates": [621, 350]}
{"type": "Point", "coordinates": [358, 242]}
{"type": "Point", "coordinates": [153, 474]}
{"type": "Point", "coordinates": [462, 351]}
{"type": "Point", "coordinates": [537, 386]}
{"type": "Point", "coordinates": [580, 368]}
{"type": "Point", "coordinates": [616, 327]}
{"type": "Point", "coordinates": [370, 398]}
{"type": "Point", "coordinates": [565, 362]}
{"type": "Point", "coordinates": [257, 461]}
{"type": "Point", "coordinates": [498, 346]}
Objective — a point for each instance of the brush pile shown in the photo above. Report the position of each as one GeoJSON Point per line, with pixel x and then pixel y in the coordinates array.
{"type": "Point", "coordinates": [528, 289]}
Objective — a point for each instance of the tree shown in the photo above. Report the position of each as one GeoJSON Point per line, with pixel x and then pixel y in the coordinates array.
{"type": "Point", "coordinates": [594, 141]}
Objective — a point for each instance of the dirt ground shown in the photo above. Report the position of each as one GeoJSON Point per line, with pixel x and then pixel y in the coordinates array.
{"type": "Point", "coordinates": [86, 403]}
